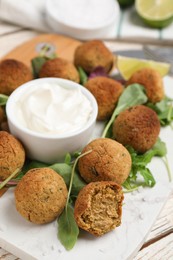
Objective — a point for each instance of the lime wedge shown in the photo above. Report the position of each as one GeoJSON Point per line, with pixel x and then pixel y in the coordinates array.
{"type": "Point", "coordinates": [127, 66]}
{"type": "Point", "coordinates": [156, 13]}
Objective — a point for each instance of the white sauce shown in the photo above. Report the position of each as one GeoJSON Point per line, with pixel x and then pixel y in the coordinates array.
{"type": "Point", "coordinates": [53, 109]}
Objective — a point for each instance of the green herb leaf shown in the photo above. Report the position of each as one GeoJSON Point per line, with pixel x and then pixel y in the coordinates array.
{"type": "Point", "coordinates": [159, 148]}
{"type": "Point", "coordinates": [64, 170]}
{"type": "Point", "coordinates": [83, 76]}
{"type": "Point", "coordinates": [37, 64]}
{"type": "Point", "coordinates": [148, 177]}
{"type": "Point", "coordinates": [38, 61]}
{"type": "Point", "coordinates": [131, 96]}
{"type": "Point", "coordinates": [3, 99]}
{"type": "Point", "coordinates": [164, 110]}
{"type": "Point", "coordinates": [68, 230]}
{"type": "Point", "coordinates": [2, 184]}
{"type": "Point", "coordinates": [129, 187]}
{"type": "Point", "coordinates": [78, 184]}
{"type": "Point", "coordinates": [67, 158]}
{"type": "Point", "coordinates": [139, 166]}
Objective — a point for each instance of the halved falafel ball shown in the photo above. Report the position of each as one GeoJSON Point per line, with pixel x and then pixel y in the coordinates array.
{"type": "Point", "coordinates": [59, 68]}
{"type": "Point", "coordinates": [41, 195]}
{"type": "Point", "coordinates": [98, 207]}
{"type": "Point", "coordinates": [106, 92]}
{"type": "Point", "coordinates": [107, 161]}
{"type": "Point", "coordinates": [12, 154]}
{"type": "Point", "coordinates": [13, 73]}
{"type": "Point", "coordinates": [137, 127]}
{"type": "Point", "coordinates": [92, 54]}
{"type": "Point", "coordinates": [152, 81]}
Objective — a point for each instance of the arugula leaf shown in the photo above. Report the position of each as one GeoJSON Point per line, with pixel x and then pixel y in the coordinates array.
{"type": "Point", "coordinates": [147, 175]}
{"type": "Point", "coordinates": [65, 171]}
{"type": "Point", "coordinates": [131, 96]}
{"type": "Point", "coordinates": [3, 183]}
{"type": "Point", "coordinates": [68, 230]}
{"type": "Point", "coordinates": [159, 149]}
{"type": "Point", "coordinates": [67, 159]}
{"type": "Point", "coordinates": [83, 76]}
{"type": "Point", "coordinates": [38, 61]}
{"type": "Point", "coordinates": [3, 99]}
{"type": "Point", "coordinates": [139, 165]}
{"type": "Point", "coordinates": [37, 64]}
{"type": "Point", "coordinates": [67, 227]}
{"type": "Point", "coordinates": [164, 110]}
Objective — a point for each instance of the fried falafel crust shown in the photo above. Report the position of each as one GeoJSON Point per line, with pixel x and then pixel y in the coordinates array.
{"type": "Point", "coordinates": [107, 161]}
{"type": "Point", "coordinates": [13, 73]}
{"type": "Point", "coordinates": [12, 154]}
{"type": "Point", "coordinates": [98, 207]}
{"type": "Point", "coordinates": [152, 81]}
{"type": "Point", "coordinates": [92, 54]}
{"type": "Point", "coordinates": [138, 127]}
{"type": "Point", "coordinates": [59, 68]}
{"type": "Point", "coordinates": [106, 92]}
{"type": "Point", "coordinates": [40, 196]}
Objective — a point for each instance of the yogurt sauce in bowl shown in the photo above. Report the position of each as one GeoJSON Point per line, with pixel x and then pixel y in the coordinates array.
{"type": "Point", "coordinates": [52, 117]}
{"type": "Point", "coordinates": [53, 109]}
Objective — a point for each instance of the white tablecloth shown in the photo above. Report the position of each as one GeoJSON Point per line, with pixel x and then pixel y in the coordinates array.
{"type": "Point", "coordinates": [32, 14]}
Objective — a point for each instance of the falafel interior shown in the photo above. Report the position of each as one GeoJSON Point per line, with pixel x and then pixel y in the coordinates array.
{"type": "Point", "coordinates": [98, 207]}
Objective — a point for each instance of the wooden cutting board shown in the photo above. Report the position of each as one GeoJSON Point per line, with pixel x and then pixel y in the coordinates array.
{"type": "Point", "coordinates": [64, 47]}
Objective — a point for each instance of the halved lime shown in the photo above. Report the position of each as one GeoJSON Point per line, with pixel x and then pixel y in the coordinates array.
{"type": "Point", "coordinates": [156, 13]}
{"type": "Point", "coordinates": [127, 66]}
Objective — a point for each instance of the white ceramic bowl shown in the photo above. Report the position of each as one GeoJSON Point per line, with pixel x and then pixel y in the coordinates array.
{"type": "Point", "coordinates": [83, 19]}
{"type": "Point", "coordinates": [50, 148]}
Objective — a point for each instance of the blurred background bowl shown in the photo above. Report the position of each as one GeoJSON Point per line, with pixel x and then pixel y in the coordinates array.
{"type": "Point", "coordinates": [83, 19]}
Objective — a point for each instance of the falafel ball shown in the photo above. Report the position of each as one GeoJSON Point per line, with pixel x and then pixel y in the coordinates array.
{"type": "Point", "coordinates": [59, 68]}
{"type": "Point", "coordinates": [98, 207]}
{"type": "Point", "coordinates": [13, 74]}
{"type": "Point", "coordinates": [2, 114]}
{"type": "Point", "coordinates": [107, 161]}
{"type": "Point", "coordinates": [152, 81]}
{"type": "Point", "coordinates": [92, 54]}
{"type": "Point", "coordinates": [41, 195]}
{"type": "Point", "coordinates": [12, 155]}
{"type": "Point", "coordinates": [106, 92]}
{"type": "Point", "coordinates": [137, 127]}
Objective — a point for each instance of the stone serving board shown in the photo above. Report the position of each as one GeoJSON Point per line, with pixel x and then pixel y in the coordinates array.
{"type": "Point", "coordinates": [140, 209]}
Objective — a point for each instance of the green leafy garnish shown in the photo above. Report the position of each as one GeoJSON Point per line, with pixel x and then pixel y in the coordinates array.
{"type": "Point", "coordinates": [3, 183]}
{"type": "Point", "coordinates": [37, 64]}
{"type": "Point", "coordinates": [139, 166]}
{"type": "Point", "coordinates": [67, 228]}
{"type": "Point", "coordinates": [38, 61]}
{"type": "Point", "coordinates": [133, 95]}
{"type": "Point", "coordinates": [3, 99]}
{"type": "Point", "coordinates": [164, 110]}
{"type": "Point", "coordinates": [67, 159]}
{"type": "Point", "coordinates": [83, 76]}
